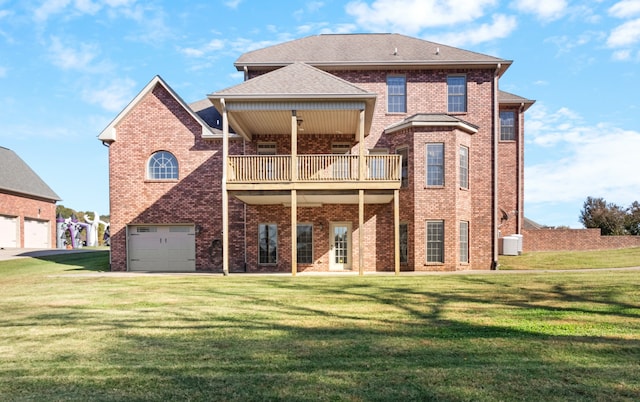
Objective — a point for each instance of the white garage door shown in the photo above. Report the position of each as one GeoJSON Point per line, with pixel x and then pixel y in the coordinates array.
{"type": "Point", "coordinates": [36, 234]}
{"type": "Point", "coordinates": [8, 231]}
{"type": "Point", "coordinates": [162, 248]}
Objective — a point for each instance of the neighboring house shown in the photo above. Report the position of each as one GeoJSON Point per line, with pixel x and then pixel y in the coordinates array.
{"type": "Point", "coordinates": [27, 205]}
{"type": "Point", "coordinates": [366, 152]}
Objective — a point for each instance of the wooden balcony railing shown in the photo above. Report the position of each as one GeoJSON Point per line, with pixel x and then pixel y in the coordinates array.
{"type": "Point", "coordinates": [312, 168]}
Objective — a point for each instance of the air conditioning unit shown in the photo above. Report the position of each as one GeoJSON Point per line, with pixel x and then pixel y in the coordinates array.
{"type": "Point", "coordinates": [509, 245]}
{"type": "Point", "coordinates": [519, 237]}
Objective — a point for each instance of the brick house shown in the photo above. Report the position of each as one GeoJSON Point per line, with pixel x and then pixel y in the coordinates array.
{"type": "Point", "coordinates": [27, 205]}
{"type": "Point", "coordinates": [366, 152]}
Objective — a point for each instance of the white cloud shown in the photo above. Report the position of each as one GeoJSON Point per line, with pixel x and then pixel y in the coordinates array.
{"type": "Point", "coordinates": [545, 10]}
{"type": "Point", "coordinates": [501, 26]}
{"type": "Point", "coordinates": [625, 9]}
{"type": "Point", "coordinates": [67, 57]}
{"type": "Point", "coordinates": [112, 97]}
{"type": "Point", "coordinates": [412, 16]}
{"type": "Point", "coordinates": [589, 160]}
{"type": "Point", "coordinates": [232, 3]}
{"type": "Point", "coordinates": [622, 55]}
{"type": "Point", "coordinates": [625, 34]}
{"type": "Point", "coordinates": [212, 46]}
{"type": "Point", "coordinates": [49, 8]}
{"type": "Point", "coordinates": [338, 29]}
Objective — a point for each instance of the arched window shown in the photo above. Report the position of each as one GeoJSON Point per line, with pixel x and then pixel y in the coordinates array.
{"type": "Point", "coordinates": [162, 166]}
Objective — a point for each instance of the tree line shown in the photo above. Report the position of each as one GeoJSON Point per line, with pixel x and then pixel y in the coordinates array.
{"type": "Point", "coordinates": [612, 219]}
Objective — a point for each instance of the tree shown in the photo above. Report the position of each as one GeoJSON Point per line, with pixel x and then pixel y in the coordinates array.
{"type": "Point", "coordinates": [609, 217]}
{"type": "Point", "coordinates": [633, 219]}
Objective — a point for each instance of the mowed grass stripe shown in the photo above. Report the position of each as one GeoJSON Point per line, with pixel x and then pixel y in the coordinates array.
{"type": "Point", "coordinates": [546, 336]}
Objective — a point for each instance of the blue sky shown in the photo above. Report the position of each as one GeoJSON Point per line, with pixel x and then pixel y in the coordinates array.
{"type": "Point", "coordinates": [67, 67]}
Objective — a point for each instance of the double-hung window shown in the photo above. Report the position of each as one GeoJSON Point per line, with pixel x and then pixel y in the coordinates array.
{"type": "Point", "coordinates": [404, 243]}
{"type": "Point", "coordinates": [464, 167]}
{"type": "Point", "coordinates": [267, 243]}
{"type": "Point", "coordinates": [404, 172]}
{"type": "Point", "coordinates": [507, 126]}
{"type": "Point", "coordinates": [435, 165]}
{"type": "Point", "coordinates": [377, 165]}
{"type": "Point", "coordinates": [435, 241]}
{"type": "Point", "coordinates": [396, 94]}
{"type": "Point", "coordinates": [266, 164]}
{"type": "Point", "coordinates": [304, 241]}
{"type": "Point", "coordinates": [457, 93]}
{"type": "Point", "coordinates": [464, 242]}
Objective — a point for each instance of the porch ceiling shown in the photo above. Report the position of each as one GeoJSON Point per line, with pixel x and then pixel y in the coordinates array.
{"type": "Point", "coordinates": [313, 199]}
{"type": "Point", "coordinates": [309, 121]}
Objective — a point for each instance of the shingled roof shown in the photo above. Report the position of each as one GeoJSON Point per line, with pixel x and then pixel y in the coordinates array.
{"type": "Point", "coordinates": [507, 98]}
{"type": "Point", "coordinates": [364, 50]}
{"type": "Point", "coordinates": [432, 120]}
{"type": "Point", "coordinates": [17, 177]}
{"type": "Point", "coordinates": [295, 80]}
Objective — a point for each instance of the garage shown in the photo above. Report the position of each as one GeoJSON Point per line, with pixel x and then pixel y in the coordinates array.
{"type": "Point", "coordinates": [36, 233]}
{"type": "Point", "coordinates": [8, 231]}
{"type": "Point", "coordinates": [160, 248]}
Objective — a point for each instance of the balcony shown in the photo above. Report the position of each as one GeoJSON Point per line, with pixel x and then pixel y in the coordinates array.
{"type": "Point", "coordinates": [317, 172]}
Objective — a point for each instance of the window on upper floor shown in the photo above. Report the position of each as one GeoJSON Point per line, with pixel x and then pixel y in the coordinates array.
{"type": "Point", "coordinates": [162, 165]}
{"type": "Point", "coordinates": [396, 94]}
{"type": "Point", "coordinates": [377, 165]}
{"type": "Point", "coordinates": [457, 93]}
{"type": "Point", "coordinates": [507, 126]}
{"type": "Point", "coordinates": [464, 167]}
{"type": "Point", "coordinates": [404, 168]}
{"type": "Point", "coordinates": [435, 165]}
{"type": "Point", "coordinates": [266, 165]}
{"type": "Point", "coordinates": [435, 241]}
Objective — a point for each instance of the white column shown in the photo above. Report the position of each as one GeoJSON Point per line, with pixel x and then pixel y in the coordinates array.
{"type": "Point", "coordinates": [360, 232]}
{"type": "Point", "coordinates": [294, 232]}
{"type": "Point", "coordinates": [225, 196]}
{"type": "Point", "coordinates": [294, 194]}
{"type": "Point", "coordinates": [396, 230]}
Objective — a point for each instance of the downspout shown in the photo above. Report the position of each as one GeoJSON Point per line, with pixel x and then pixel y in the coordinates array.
{"type": "Point", "coordinates": [246, 73]}
{"type": "Point", "coordinates": [520, 215]}
{"type": "Point", "coordinates": [494, 198]}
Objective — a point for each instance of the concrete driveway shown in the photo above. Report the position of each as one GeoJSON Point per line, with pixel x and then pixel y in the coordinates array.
{"type": "Point", "coordinates": [13, 253]}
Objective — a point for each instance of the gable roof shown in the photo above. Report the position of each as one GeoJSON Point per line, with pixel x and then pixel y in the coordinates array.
{"type": "Point", "coordinates": [364, 50]}
{"type": "Point", "coordinates": [297, 80]}
{"type": "Point", "coordinates": [432, 120]}
{"type": "Point", "coordinates": [272, 96]}
{"type": "Point", "coordinates": [507, 98]}
{"type": "Point", "coordinates": [17, 177]}
{"type": "Point", "coordinates": [109, 133]}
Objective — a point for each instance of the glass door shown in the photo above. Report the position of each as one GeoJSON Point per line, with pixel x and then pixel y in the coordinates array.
{"type": "Point", "coordinates": [340, 246]}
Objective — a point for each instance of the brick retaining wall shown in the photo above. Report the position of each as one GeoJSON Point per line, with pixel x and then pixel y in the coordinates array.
{"type": "Point", "coordinates": [574, 239]}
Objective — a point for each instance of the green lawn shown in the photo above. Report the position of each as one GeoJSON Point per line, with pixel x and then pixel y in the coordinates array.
{"type": "Point", "coordinates": [542, 337]}
{"type": "Point", "coordinates": [628, 257]}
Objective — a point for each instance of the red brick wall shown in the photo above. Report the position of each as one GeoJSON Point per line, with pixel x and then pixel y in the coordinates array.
{"type": "Point", "coordinates": [510, 174]}
{"type": "Point", "coordinates": [157, 123]}
{"type": "Point", "coordinates": [29, 208]}
{"type": "Point", "coordinates": [574, 240]}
